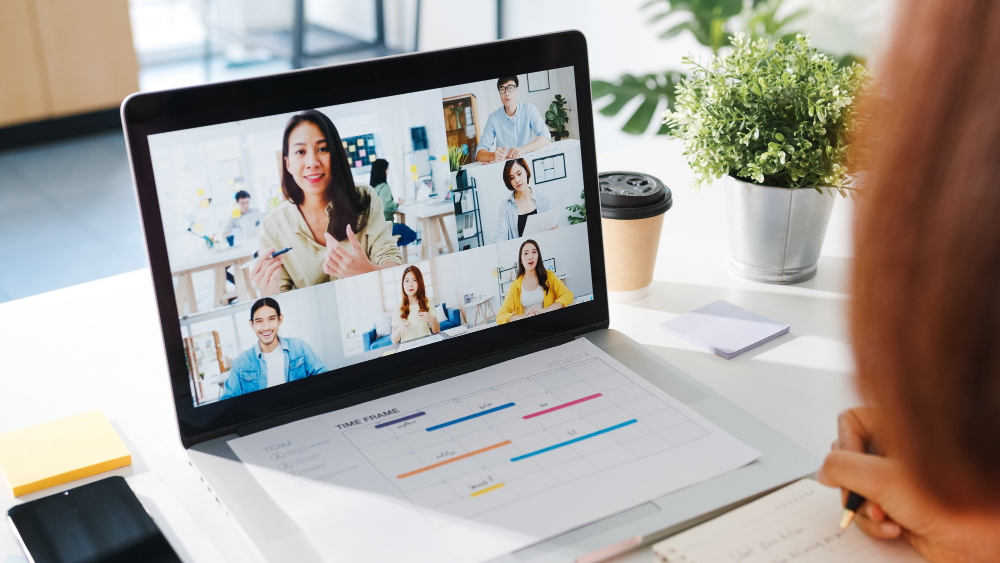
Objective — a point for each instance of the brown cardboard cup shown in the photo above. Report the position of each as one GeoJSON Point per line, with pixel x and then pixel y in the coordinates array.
{"type": "Point", "coordinates": [632, 209]}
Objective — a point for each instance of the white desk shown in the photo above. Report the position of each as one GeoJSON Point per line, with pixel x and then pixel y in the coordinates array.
{"type": "Point", "coordinates": [217, 259]}
{"type": "Point", "coordinates": [98, 345]}
{"type": "Point", "coordinates": [431, 215]}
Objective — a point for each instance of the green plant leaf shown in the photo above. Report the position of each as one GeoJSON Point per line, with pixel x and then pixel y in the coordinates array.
{"type": "Point", "coordinates": [677, 30]}
{"type": "Point", "coordinates": [711, 23]}
{"type": "Point", "coordinates": [652, 88]}
{"type": "Point", "coordinates": [777, 114]}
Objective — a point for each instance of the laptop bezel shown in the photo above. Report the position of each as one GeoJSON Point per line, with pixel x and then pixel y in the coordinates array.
{"type": "Point", "coordinates": [152, 113]}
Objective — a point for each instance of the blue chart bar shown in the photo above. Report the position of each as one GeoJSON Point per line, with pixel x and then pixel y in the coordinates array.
{"type": "Point", "coordinates": [574, 440]}
{"type": "Point", "coordinates": [404, 419]}
{"type": "Point", "coordinates": [471, 416]}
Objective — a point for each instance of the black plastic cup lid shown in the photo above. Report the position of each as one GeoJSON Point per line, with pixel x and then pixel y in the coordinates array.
{"type": "Point", "coordinates": [633, 195]}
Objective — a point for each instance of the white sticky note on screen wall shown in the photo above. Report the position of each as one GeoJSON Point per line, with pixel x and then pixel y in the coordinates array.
{"type": "Point", "coordinates": [724, 329]}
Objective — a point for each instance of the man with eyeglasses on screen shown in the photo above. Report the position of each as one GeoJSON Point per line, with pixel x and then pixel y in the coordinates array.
{"type": "Point", "coordinates": [513, 130]}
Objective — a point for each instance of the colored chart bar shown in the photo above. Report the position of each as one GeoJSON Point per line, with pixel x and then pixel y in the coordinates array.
{"type": "Point", "coordinates": [569, 404]}
{"type": "Point", "coordinates": [404, 419]}
{"type": "Point", "coordinates": [453, 460]}
{"type": "Point", "coordinates": [484, 491]}
{"type": "Point", "coordinates": [574, 440]}
{"type": "Point", "coordinates": [471, 416]}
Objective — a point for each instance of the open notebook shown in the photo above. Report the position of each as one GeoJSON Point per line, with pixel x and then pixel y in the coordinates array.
{"type": "Point", "coordinates": [795, 524]}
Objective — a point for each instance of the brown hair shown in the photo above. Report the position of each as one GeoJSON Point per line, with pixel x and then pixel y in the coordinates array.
{"type": "Point", "coordinates": [510, 166]}
{"type": "Point", "coordinates": [350, 205]}
{"type": "Point", "coordinates": [925, 313]}
{"type": "Point", "coordinates": [404, 309]}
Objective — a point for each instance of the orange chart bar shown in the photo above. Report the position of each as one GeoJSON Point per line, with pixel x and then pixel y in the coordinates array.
{"type": "Point", "coordinates": [452, 460]}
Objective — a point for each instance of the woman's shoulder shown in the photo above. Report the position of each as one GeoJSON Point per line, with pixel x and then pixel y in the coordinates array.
{"type": "Point", "coordinates": [286, 209]}
{"type": "Point", "coordinates": [284, 214]}
{"type": "Point", "coordinates": [550, 276]}
{"type": "Point", "coordinates": [365, 189]}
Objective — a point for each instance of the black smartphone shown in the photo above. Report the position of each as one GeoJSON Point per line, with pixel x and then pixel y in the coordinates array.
{"type": "Point", "coordinates": [101, 522]}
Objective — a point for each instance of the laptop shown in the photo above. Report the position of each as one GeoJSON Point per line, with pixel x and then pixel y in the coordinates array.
{"type": "Point", "coordinates": [340, 337]}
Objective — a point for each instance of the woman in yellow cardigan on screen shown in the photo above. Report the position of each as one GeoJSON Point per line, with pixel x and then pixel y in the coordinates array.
{"type": "Point", "coordinates": [535, 291]}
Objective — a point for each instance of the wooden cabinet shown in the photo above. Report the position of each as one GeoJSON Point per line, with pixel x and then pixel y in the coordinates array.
{"type": "Point", "coordinates": [460, 123]}
{"type": "Point", "coordinates": [64, 57]}
{"type": "Point", "coordinates": [23, 92]}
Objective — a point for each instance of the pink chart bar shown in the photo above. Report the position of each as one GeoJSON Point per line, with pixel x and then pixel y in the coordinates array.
{"type": "Point", "coordinates": [562, 406]}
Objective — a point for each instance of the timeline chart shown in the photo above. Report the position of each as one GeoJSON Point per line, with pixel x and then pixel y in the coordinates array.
{"type": "Point", "coordinates": [464, 457]}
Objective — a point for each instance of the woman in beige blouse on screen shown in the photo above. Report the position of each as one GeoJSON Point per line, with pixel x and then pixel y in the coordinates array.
{"type": "Point", "coordinates": [415, 318]}
{"type": "Point", "coordinates": [335, 228]}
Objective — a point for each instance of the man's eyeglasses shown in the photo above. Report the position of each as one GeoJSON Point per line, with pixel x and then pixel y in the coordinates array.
{"type": "Point", "coordinates": [508, 89]}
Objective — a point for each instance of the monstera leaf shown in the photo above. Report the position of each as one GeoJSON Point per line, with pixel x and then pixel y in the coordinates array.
{"type": "Point", "coordinates": [650, 87]}
{"type": "Point", "coordinates": [707, 20]}
{"type": "Point", "coordinates": [711, 22]}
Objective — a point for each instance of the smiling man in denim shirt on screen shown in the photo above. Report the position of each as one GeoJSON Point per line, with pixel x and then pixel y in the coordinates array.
{"type": "Point", "coordinates": [513, 130]}
{"type": "Point", "coordinates": [273, 360]}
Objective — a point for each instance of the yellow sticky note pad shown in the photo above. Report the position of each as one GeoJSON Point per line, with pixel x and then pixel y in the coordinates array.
{"type": "Point", "coordinates": [60, 451]}
{"type": "Point", "coordinates": [237, 214]}
{"type": "Point", "coordinates": [201, 192]}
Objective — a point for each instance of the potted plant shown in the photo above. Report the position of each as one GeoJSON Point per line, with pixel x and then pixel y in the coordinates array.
{"type": "Point", "coordinates": [457, 157]}
{"type": "Point", "coordinates": [557, 118]}
{"type": "Point", "coordinates": [775, 120]}
{"type": "Point", "coordinates": [578, 211]}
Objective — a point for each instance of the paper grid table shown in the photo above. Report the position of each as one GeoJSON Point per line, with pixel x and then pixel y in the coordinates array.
{"type": "Point", "coordinates": [463, 457]}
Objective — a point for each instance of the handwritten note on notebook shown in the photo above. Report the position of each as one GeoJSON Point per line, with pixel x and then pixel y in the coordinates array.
{"type": "Point", "coordinates": [797, 524]}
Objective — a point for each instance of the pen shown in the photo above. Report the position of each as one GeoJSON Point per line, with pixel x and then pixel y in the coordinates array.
{"type": "Point", "coordinates": [854, 501]}
{"type": "Point", "coordinates": [274, 254]}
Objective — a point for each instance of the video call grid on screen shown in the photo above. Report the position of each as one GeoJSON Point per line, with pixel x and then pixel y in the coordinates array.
{"type": "Point", "coordinates": [456, 237]}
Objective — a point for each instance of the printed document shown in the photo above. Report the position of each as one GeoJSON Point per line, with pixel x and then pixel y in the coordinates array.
{"type": "Point", "coordinates": [488, 462]}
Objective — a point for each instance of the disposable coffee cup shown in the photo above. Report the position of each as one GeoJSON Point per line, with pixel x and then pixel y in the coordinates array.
{"type": "Point", "coordinates": [632, 208]}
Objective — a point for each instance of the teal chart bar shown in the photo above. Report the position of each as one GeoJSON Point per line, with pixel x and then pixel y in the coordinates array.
{"type": "Point", "coordinates": [575, 440]}
{"type": "Point", "coordinates": [470, 417]}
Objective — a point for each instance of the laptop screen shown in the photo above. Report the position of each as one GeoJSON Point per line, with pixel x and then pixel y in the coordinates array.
{"type": "Point", "coordinates": [305, 242]}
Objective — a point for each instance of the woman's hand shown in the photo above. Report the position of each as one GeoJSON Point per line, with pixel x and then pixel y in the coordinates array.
{"type": "Point", "coordinates": [346, 263]}
{"type": "Point", "coordinates": [424, 317]}
{"type": "Point", "coordinates": [896, 506]}
{"type": "Point", "coordinates": [265, 273]}
{"type": "Point", "coordinates": [397, 333]}
{"type": "Point", "coordinates": [555, 305]}
{"type": "Point", "coordinates": [533, 311]}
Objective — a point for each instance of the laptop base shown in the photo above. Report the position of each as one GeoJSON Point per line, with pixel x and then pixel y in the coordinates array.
{"type": "Point", "coordinates": [781, 462]}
